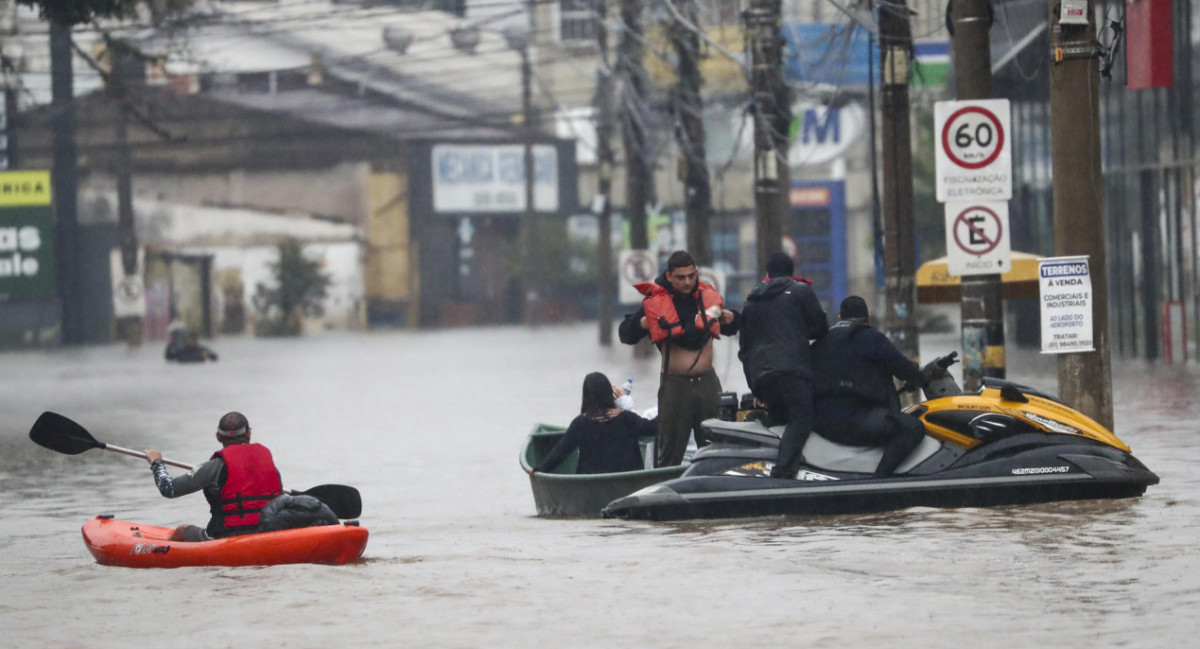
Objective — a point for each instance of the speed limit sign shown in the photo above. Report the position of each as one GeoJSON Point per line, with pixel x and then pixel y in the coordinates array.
{"type": "Point", "coordinates": [974, 150]}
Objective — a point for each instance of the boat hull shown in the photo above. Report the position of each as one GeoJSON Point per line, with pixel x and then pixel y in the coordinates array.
{"type": "Point", "coordinates": [565, 493]}
{"type": "Point", "coordinates": [133, 545]}
{"type": "Point", "coordinates": [720, 499]}
{"type": "Point", "coordinates": [1052, 473]}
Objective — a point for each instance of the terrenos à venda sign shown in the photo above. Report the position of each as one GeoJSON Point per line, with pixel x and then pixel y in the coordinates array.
{"type": "Point", "coordinates": [474, 179]}
{"type": "Point", "coordinates": [26, 235]}
{"type": "Point", "coordinates": [1066, 304]}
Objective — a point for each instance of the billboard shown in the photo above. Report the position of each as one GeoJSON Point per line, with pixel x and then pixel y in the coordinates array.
{"type": "Point", "coordinates": [26, 235]}
{"type": "Point", "coordinates": [485, 178]}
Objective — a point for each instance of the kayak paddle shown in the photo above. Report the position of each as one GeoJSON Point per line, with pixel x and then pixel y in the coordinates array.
{"type": "Point", "coordinates": [63, 435]}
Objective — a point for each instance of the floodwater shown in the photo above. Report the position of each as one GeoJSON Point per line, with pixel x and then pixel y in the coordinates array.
{"type": "Point", "coordinates": [428, 426]}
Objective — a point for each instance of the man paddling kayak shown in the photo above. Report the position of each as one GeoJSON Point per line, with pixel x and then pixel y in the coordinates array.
{"type": "Point", "coordinates": [238, 482]}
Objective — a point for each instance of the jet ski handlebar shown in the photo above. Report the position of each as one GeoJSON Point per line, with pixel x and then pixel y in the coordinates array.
{"type": "Point", "coordinates": [934, 370]}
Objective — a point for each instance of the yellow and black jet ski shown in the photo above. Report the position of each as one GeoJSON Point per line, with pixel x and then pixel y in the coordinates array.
{"type": "Point", "coordinates": [1005, 444]}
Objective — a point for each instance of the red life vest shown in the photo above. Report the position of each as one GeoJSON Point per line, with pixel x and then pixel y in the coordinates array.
{"type": "Point", "coordinates": [659, 303]}
{"type": "Point", "coordinates": [251, 482]}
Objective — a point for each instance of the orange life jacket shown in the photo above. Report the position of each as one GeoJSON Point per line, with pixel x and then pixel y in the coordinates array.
{"type": "Point", "coordinates": [662, 319]}
{"type": "Point", "coordinates": [251, 482]}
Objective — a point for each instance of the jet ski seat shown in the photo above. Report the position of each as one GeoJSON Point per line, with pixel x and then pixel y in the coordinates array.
{"type": "Point", "coordinates": [819, 452]}
{"type": "Point", "coordinates": [822, 453]}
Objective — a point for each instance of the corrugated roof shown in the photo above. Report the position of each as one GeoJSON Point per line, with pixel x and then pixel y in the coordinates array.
{"type": "Point", "coordinates": [359, 114]}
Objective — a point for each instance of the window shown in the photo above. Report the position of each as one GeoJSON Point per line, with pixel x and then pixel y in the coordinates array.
{"type": "Point", "coordinates": [577, 20]}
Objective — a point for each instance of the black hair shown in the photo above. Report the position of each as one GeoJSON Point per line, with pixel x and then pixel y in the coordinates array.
{"type": "Point", "coordinates": [680, 259]}
{"type": "Point", "coordinates": [233, 425]}
{"type": "Point", "coordinates": [597, 395]}
{"type": "Point", "coordinates": [780, 264]}
{"type": "Point", "coordinates": [854, 308]}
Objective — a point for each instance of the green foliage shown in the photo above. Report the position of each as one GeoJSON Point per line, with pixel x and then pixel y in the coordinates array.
{"type": "Point", "coordinates": [301, 287]}
{"type": "Point", "coordinates": [75, 12]}
{"type": "Point", "coordinates": [564, 268]}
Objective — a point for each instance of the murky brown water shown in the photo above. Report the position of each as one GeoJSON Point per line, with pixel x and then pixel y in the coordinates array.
{"type": "Point", "coordinates": [428, 427]}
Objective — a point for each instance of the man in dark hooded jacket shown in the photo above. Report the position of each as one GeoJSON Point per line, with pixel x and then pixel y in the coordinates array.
{"type": "Point", "coordinates": [780, 316]}
{"type": "Point", "coordinates": [856, 400]}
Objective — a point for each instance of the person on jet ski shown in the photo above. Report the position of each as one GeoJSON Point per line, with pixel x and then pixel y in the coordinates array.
{"type": "Point", "coordinates": [606, 431]}
{"type": "Point", "coordinates": [780, 316]}
{"type": "Point", "coordinates": [856, 399]}
{"type": "Point", "coordinates": [238, 482]}
{"type": "Point", "coordinates": [682, 316]}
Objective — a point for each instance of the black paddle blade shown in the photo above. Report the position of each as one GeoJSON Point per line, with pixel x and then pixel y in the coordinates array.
{"type": "Point", "coordinates": [343, 500]}
{"type": "Point", "coordinates": [58, 433]}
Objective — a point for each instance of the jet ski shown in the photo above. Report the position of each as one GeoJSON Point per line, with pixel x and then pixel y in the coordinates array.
{"type": "Point", "coordinates": [1005, 444]}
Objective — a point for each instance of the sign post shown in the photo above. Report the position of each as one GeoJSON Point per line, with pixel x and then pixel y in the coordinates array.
{"type": "Point", "coordinates": [973, 169]}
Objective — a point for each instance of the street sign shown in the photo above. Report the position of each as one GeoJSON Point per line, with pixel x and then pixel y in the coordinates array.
{"type": "Point", "coordinates": [1066, 304]}
{"type": "Point", "coordinates": [26, 235]}
{"type": "Point", "coordinates": [977, 239]}
{"type": "Point", "coordinates": [129, 291]}
{"type": "Point", "coordinates": [973, 160]}
{"type": "Point", "coordinates": [634, 267]}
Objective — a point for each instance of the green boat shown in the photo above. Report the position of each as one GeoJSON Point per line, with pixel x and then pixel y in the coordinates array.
{"type": "Point", "coordinates": [565, 493]}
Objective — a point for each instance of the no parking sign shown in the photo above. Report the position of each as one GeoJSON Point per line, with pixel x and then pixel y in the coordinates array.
{"type": "Point", "coordinates": [634, 267]}
{"type": "Point", "coordinates": [977, 239]}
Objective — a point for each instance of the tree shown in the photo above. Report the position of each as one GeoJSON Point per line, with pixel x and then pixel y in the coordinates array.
{"type": "Point", "coordinates": [74, 12]}
{"type": "Point", "coordinates": [301, 287]}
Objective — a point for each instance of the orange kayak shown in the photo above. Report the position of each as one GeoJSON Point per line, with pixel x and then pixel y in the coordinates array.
{"type": "Point", "coordinates": [132, 545]}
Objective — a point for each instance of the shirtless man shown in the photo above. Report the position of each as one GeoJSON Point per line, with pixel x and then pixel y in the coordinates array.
{"type": "Point", "coordinates": [682, 316]}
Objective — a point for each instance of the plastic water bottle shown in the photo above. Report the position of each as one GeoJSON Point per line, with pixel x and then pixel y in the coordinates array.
{"type": "Point", "coordinates": [628, 386]}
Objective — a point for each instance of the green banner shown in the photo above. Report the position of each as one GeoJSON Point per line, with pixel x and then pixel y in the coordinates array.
{"type": "Point", "coordinates": [26, 236]}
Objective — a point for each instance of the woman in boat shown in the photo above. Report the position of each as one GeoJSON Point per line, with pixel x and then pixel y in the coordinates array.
{"type": "Point", "coordinates": [606, 431]}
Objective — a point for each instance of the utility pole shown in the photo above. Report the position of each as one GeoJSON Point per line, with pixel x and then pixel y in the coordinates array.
{"type": "Point", "coordinates": [1084, 378]}
{"type": "Point", "coordinates": [982, 297]}
{"type": "Point", "coordinates": [605, 156]}
{"type": "Point", "coordinates": [772, 120]}
{"type": "Point", "coordinates": [689, 131]}
{"type": "Point", "coordinates": [8, 157]}
{"type": "Point", "coordinates": [638, 178]}
{"type": "Point", "coordinates": [64, 180]}
{"type": "Point", "coordinates": [529, 222]}
{"type": "Point", "coordinates": [120, 73]}
{"type": "Point", "coordinates": [899, 249]}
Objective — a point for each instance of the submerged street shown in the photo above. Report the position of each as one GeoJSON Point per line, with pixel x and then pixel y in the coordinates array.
{"type": "Point", "coordinates": [428, 426]}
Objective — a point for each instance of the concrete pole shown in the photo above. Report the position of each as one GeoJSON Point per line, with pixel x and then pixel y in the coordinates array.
{"type": "Point", "coordinates": [606, 158]}
{"type": "Point", "coordinates": [982, 295]}
{"type": "Point", "coordinates": [1084, 379]}
{"type": "Point", "coordinates": [64, 179]}
{"type": "Point", "coordinates": [529, 221]}
{"type": "Point", "coordinates": [899, 246]}
{"type": "Point", "coordinates": [690, 133]}
{"type": "Point", "coordinates": [772, 117]}
{"type": "Point", "coordinates": [638, 175]}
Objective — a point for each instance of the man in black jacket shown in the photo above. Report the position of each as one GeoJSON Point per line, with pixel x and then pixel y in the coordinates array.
{"type": "Point", "coordinates": [780, 316]}
{"type": "Point", "coordinates": [857, 402]}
